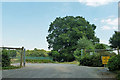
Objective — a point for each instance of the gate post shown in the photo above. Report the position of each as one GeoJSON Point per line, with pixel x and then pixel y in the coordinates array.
{"type": "Point", "coordinates": [81, 53]}
{"type": "Point", "coordinates": [21, 61]}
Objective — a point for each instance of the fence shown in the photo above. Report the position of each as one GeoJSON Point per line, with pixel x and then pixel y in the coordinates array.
{"type": "Point", "coordinates": [102, 52]}
{"type": "Point", "coordinates": [41, 58]}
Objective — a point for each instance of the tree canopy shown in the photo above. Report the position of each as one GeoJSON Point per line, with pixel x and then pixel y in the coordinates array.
{"type": "Point", "coordinates": [66, 31]}
{"type": "Point", "coordinates": [115, 40]}
{"type": "Point", "coordinates": [100, 46]}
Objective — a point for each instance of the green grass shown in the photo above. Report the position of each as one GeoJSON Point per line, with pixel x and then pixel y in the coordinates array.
{"type": "Point", "coordinates": [39, 61]}
{"type": "Point", "coordinates": [16, 60]}
{"type": "Point", "coordinates": [11, 67]}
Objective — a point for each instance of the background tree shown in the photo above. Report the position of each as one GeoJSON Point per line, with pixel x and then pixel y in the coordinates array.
{"type": "Point", "coordinates": [100, 46]}
{"type": "Point", "coordinates": [37, 53]}
{"type": "Point", "coordinates": [65, 32]}
{"type": "Point", "coordinates": [115, 41]}
{"type": "Point", "coordinates": [84, 43]}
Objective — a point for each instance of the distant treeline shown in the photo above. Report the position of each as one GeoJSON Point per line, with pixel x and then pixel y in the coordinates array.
{"type": "Point", "coordinates": [37, 53]}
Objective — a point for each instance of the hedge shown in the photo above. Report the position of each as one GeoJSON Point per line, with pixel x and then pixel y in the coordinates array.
{"type": "Point", "coordinates": [91, 60]}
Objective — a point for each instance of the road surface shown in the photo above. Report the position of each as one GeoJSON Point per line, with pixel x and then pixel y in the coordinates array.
{"type": "Point", "coordinates": [49, 70]}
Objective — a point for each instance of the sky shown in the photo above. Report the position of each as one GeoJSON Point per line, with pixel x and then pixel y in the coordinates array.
{"type": "Point", "coordinates": [27, 23]}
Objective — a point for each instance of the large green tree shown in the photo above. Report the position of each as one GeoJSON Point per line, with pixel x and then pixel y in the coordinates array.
{"type": "Point", "coordinates": [115, 41]}
{"type": "Point", "coordinates": [66, 31]}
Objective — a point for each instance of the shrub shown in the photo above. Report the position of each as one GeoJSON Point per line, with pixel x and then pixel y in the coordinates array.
{"type": "Point", "coordinates": [5, 59]}
{"type": "Point", "coordinates": [68, 57]}
{"type": "Point", "coordinates": [118, 76]}
{"type": "Point", "coordinates": [91, 60]}
{"type": "Point", "coordinates": [77, 54]}
{"type": "Point", "coordinates": [39, 61]}
{"type": "Point", "coordinates": [114, 63]}
{"type": "Point", "coordinates": [55, 55]}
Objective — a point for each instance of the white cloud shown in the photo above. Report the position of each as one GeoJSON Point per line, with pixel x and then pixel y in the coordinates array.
{"type": "Point", "coordinates": [110, 23]}
{"type": "Point", "coordinates": [115, 28]}
{"type": "Point", "coordinates": [104, 42]}
{"type": "Point", "coordinates": [95, 3]}
{"type": "Point", "coordinates": [95, 19]}
{"type": "Point", "coordinates": [109, 28]}
{"type": "Point", "coordinates": [106, 28]}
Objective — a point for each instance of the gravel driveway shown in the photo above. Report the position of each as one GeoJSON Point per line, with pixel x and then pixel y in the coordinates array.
{"type": "Point", "coordinates": [50, 70]}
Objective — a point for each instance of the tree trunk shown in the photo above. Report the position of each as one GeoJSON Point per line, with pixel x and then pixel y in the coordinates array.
{"type": "Point", "coordinates": [118, 50]}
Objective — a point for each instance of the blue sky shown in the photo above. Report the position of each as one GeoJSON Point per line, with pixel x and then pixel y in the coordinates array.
{"type": "Point", "coordinates": [26, 23]}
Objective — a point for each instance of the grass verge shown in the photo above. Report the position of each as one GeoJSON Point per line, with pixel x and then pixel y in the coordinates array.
{"type": "Point", "coordinates": [73, 62]}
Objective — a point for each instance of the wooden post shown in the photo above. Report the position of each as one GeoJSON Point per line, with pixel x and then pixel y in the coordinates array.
{"type": "Point", "coordinates": [21, 57]}
{"type": "Point", "coordinates": [24, 58]}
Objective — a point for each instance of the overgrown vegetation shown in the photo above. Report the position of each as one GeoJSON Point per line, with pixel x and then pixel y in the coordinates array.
{"type": "Point", "coordinates": [118, 76]}
{"type": "Point", "coordinates": [11, 67]}
{"type": "Point", "coordinates": [5, 58]}
{"type": "Point", "coordinates": [114, 62]}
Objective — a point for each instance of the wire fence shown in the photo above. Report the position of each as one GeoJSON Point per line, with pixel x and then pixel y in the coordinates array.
{"type": "Point", "coordinates": [41, 58]}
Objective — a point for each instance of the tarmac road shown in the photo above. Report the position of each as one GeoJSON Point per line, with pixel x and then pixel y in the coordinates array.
{"type": "Point", "coordinates": [50, 70]}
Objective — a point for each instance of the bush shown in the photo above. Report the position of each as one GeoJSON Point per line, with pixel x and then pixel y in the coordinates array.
{"type": "Point", "coordinates": [77, 54]}
{"type": "Point", "coordinates": [91, 60]}
{"type": "Point", "coordinates": [114, 63]}
{"type": "Point", "coordinates": [118, 76]}
{"type": "Point", "coordinates": [67, 57]}
{"type": "Point", "coordinates": [55, 55]}
{"type": "Point", "coordinates": [39, 61]}
{"type": "Point", "coordinates": [5, 59]}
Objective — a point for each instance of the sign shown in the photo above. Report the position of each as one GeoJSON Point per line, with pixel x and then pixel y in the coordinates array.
{"type": "Point", "coordinates": [105, 59]}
